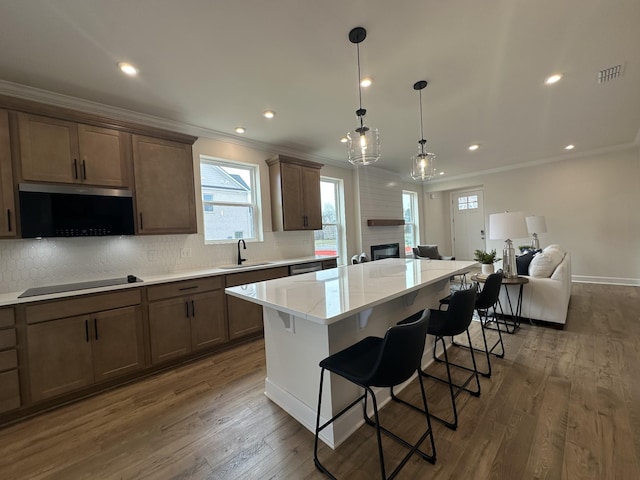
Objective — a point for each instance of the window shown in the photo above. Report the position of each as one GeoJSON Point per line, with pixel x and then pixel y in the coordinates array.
{"type": "Point", "coordinates": [411, 227]}
{"type": "Point", "coordinates": [331, 239]}
{"type": "Point", "coordinates": [468, 203]}
{"type": "Point", "coordinates": [229, 200]}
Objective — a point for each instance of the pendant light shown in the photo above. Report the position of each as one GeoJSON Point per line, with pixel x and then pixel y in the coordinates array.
{"type": "Point", "coordinates": [363, 143]}
{"type": "Point", "coordinates": [423, 164]}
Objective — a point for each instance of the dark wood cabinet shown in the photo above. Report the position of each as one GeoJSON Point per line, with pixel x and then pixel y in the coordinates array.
{"type": "Point", "coordinates": [7, 199]}
{"type": "Point", "coordinates": [245, 318]}
{"type": "Point", "coordinates": [56, 150]}
{"type": "Point", "coordinates": [9, 379]}
{"type": "Point", "coordinates": [164, 185]}
{"type": "Point", "coordinates": [190, 321]}
{"type": "Point", "coordinates": [295, 193]}
{"type": "Point", "coordinates": [74, 343]}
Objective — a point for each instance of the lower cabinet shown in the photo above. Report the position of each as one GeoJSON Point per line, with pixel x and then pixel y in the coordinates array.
{"type": "Point", "coordinates": [9, 378]}
{"type": "Point", "coordinates": [75, 343]}
{"type": "Point", "coordinates": [245, 318]}
{"type": "Point", "coordinates": [187, 323]}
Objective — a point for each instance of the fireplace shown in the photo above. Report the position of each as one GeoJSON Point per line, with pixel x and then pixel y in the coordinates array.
{"type": "Point", "coordinates": [388, 250]}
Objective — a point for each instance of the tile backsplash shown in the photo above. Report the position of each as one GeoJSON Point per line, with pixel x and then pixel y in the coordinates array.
{"type": "Point", "coordinates": [33, 263]}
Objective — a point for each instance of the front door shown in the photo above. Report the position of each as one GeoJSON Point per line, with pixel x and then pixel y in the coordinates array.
{"type": "Point", "coordinates": [467, 223]}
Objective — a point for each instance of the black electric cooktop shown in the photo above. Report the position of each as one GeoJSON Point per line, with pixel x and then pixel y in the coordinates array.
{"type": "Point", "coordinates": [69, 287]}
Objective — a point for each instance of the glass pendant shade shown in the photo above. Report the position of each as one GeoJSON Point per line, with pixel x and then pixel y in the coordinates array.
{"type": "Point", "coordinates": [423, 166]}
{"type": "Point", "coordinates": [363, 145]}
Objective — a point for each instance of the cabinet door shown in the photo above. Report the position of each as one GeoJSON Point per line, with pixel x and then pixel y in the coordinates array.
{"type": "Point", "coordinates": [169, 329]}
{"type": "Point", "coordinates": [7, 202]}
{"type": "Point", "coordinates": [245, 318]}
{"type": "Point", "coordinates": [59, 355]}
{"type": "Point", "coordinates": [311, 198]}
{"type": "Point", "coordinates": [292, 197]}
{"type": "Point", "coordinates": [117, 342]}
{"type": "Point", "coordinates": [48, 149]}
{"type": "Point", "coordinates": [103, 156]}
{"type": "Point", "coordinates": [165, 195]}
{"type": "Point", "coordinates": [208, 325]}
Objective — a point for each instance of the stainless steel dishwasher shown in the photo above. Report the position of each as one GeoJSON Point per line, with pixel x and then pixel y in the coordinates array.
{"type": "Point", "coordinates": [305, 268]}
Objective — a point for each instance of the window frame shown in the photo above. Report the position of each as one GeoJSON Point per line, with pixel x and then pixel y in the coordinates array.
{"type": "Point", "coordinates": [341, 240]}
{"type": "Point", "coordinates": [254, 205]}
{"type": "Point", "coordinates": [415, 224]}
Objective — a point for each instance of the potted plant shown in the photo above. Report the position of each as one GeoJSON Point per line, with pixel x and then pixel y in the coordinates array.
{"type": "Point", "coordinates": [487, 260]}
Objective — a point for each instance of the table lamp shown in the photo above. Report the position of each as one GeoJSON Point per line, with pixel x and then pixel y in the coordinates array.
{"type": "Point", "coordinates": [505, 226]}
{"type": "Point", "coordinates": [536, 225]}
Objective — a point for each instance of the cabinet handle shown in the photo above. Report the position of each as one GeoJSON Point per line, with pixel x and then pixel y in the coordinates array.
{"type": "Point", "coordinates": [95, 326]}
{"type": "Point", "coordinates": [84, 170]}
{"type": "Point", "coordinates": [193, 309]}
{"type": "Point", "coordinates": [186, 309]}
{"type": "Point", "coordinates": [141, 224]}
{"type": "Point", "coordinates": [306, 221]}
{"type": "Point", "coordinates": [86, 330]}
{"type": "Point", "coordinates": [75, 168]}
{"type": "Point", "coordinates": [9, 219]}
{"type": "Point", "coordinates": [188, 288]}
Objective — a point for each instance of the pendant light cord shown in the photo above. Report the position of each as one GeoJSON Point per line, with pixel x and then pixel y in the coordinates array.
{"type": "Point", "coordinates": [359, 86]}
{"type": "Point", "coordinates": [422, 141]}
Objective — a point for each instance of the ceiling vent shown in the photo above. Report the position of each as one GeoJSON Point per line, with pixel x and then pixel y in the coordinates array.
{"type": "Point", "coordinates": [610, 73]}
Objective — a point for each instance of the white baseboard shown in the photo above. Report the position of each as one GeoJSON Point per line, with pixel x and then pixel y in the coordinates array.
{"type": "Point", "coordinates": [635, 282]}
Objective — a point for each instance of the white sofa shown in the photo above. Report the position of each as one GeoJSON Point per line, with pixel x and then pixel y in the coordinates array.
{"type": "Point", "coordinates": [544, 297]}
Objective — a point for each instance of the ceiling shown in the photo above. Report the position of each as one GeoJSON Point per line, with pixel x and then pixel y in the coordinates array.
{"type": "Point", "coordinates": [217, 65]}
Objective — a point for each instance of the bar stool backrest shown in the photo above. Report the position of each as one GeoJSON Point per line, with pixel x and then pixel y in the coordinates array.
{"type": "Point", "coordinates": [401, 352]}
{"type": "Point", "coordinates": [460, 311]}
{"type": "Point", "coordinates": [489, 294]}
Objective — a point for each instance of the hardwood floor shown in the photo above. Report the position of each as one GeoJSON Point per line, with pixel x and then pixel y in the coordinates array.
{"type": "Point", "coordinates": [563, 404]}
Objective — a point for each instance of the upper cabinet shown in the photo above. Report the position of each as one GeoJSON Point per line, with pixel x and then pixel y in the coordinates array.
{"type": "Point", "coordinates": [165, 192]}
{"type": "Point", "coordinates": [7, 201]}
{"type": "Point", "coordinates": [295, 193]}
{"type": "Point", "coordinates": [55, 150]}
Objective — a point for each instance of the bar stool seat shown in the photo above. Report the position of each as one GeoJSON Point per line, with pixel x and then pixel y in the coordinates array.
{"type": "Point", "coordinates": [381, 362]}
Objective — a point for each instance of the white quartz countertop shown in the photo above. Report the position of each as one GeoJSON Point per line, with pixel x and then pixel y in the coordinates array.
{"type": "Point", "coordinates": [330, 295]}
{"type": "Point", "coordinates": [7, 299]}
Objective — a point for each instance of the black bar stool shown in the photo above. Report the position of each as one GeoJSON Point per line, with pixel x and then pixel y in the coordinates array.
{"type": "Point", "coordinates": [381, 362]}
{"type": "Point", "coordinates": [485, 300]}
{"type": "Point", "coordinates": [448, 323]}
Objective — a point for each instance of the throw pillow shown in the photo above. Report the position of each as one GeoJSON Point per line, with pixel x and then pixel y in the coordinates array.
{"type": "Point", "coordinates": [523, 261]}
{"type": "Point", "coordinates": [429, 251]}
{"type": "Point", "coordinates": [543, 264]}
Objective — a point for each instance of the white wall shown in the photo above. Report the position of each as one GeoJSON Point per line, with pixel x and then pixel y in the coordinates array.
{"type": "Point", "coordinates": [590, 204]}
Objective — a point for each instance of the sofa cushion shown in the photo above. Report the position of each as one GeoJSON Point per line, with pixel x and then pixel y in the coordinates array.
{"type": "Point", "coordinates": [523, 261]}
{"type": "Point", "coordinates": [429, 251]}
{"type": "Point", "coordinates": [555, 246]}
{"type": "Point", "coordinates": [544, 263]}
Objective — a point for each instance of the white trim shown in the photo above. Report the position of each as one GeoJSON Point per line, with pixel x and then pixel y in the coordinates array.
{"type": "Point", "coordinates": [635, 282]}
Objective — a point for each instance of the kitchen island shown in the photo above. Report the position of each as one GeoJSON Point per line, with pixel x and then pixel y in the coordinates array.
{"type": "Point", "coordinates": [311, 316]}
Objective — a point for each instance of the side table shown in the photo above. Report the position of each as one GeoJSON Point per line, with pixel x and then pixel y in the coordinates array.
{"type": "Point", "coordinates": [516, 314]}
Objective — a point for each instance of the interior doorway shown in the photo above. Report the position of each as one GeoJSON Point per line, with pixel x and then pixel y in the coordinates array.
{"type": "Point", "coordinates": [467, 223]}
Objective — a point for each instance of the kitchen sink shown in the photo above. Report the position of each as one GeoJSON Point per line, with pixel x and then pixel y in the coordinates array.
{"type": "Point", "coordinates": [244, 265]}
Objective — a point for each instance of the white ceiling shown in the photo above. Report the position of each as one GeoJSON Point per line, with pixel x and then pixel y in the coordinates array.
{"type": "Point", "coordinates": [220, 64]}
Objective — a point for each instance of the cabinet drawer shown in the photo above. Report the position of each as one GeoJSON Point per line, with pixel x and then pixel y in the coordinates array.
{"type": "Point", "coordinates": [256, 276]}
{"type": "Point", "coordinates": [7, 318]}
{"type": "Point", "coordinates": [8, 360]}
{"type": "Point", "coordinates": [186, 287]}
{"type": "Point", "coordinates": [9, 391]}
{"type": "Point", "coordinates": [81, 305]}
{"type": "Point", "coordinates": [7, 338]}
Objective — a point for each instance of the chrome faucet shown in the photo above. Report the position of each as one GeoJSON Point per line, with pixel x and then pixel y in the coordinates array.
{"type": "Point", "coordinates": [240, 259]}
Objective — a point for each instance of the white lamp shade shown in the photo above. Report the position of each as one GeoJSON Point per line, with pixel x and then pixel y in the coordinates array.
{"type": "Point", "coordinates": [536, 224]}
{"type": "Point", "coordinates": [507, 225]}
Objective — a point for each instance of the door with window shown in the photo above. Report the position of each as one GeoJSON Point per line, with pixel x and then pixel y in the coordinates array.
{"type": "Point", "coordinates": [467, 229]}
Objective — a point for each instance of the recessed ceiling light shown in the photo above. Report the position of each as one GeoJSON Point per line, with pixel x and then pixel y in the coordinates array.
{"type": "Point", "coordinates": [344, 140]}
{"type": "Point", "coordinates": [556, 77]}
{"type": "Point", "coordinates": [269, 114]}
{"type": "Point", "coordinates": [366, 82]}
{"type": "Point", "coordinates": [128, 69]}
{"type": "Point", "coordinates": [474, 147]}
{"type": "Point", "coordinates": [569, 147]}
{"type": "Point", "coordinates": [240, 129]}
{"type": "Point", "coordinates": [441, 173]}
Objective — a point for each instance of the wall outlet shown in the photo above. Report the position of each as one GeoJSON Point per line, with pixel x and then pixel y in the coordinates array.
{"type": "Point", "coordinates": [152, 255]}
{"type": "Point", "coordinates": [185, 253]}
